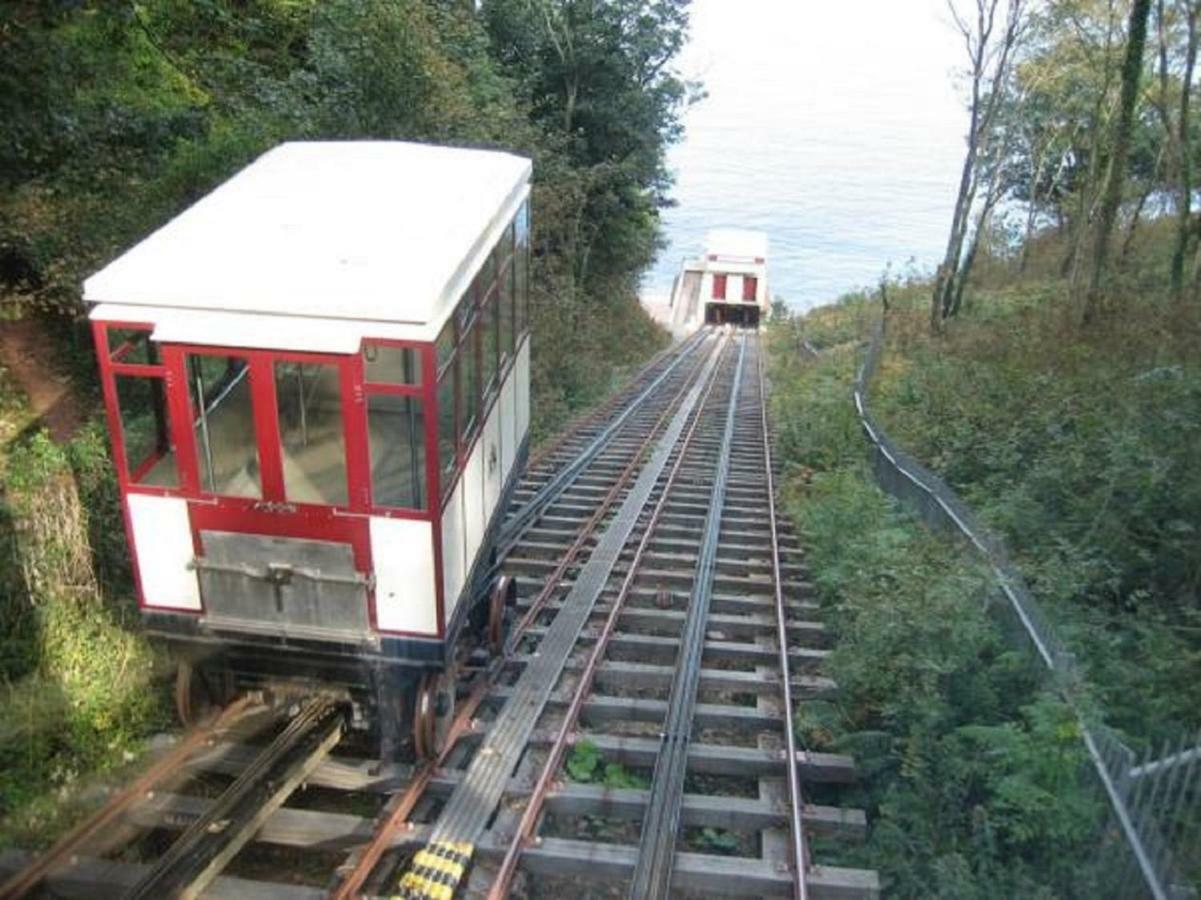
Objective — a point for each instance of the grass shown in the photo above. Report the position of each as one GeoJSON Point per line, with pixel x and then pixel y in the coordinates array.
{"type": "Point", "coordinates": [80, 686]}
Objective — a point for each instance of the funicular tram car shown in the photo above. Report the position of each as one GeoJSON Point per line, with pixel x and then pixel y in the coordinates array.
{"type": "Point", "coordinates": [732, 277]}
{"type": "Point", "coordinates": [317, 385]}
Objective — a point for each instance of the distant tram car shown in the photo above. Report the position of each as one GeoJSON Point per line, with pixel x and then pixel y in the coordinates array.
{"type": "Point", "coordinates": [732, 277]}
{"type": "Point", "coordinates": [317, 387]}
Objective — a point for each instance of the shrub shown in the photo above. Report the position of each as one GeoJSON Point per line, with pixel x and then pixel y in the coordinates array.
{"type": "Point", "coordinates": [79, 687]}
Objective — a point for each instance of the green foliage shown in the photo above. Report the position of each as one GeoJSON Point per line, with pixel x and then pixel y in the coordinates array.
{"type": "Point", "coordinates": [974, 780]}
{"type": "Point", "coordinates": [1079, 450]}
{"type": "Point", "coordinates": [718, 840]}
{"type": "Point", "coordinates": [78, 680]}
{"type": "Point", "coordinates": [586, 764]}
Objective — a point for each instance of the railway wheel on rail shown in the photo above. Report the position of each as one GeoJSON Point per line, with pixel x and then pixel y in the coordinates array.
{"type": "Point", "coordinates": [502, 600]}
{"type": "Point", "coordinates": [433, 711]}
{"type": "Point", "coordinates": [196, 697]}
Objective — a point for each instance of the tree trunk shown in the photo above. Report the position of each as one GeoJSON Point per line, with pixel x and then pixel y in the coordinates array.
{"type": "Point", "coordinates": [1134, 219]}
{"type": "Point", "coordinates": [1132, 69]}
{"type": "Point", "coordinates": [1031, 210]}
{"type": "Point", "coordinates": [1184, 154]}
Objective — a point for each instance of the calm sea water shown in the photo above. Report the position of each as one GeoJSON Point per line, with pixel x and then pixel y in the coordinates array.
{"type": "Point", "coordinates": [836, 128]}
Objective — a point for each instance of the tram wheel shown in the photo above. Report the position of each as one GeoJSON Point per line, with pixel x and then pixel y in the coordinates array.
{"type": "Point", "coordinates": [433, 711]}
{"type": "Point", "coordinates": [503, 596]}
{"type": "Point", "coordinates": [192, 698]}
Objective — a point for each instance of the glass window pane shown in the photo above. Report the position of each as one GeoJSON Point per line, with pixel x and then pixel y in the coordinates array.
{"type": "Point", "coordinates": [309, 399]}
{"type": "Point", "coordinates": [446, 423]}
{"type": "Point", "coordinates": [486, 276]}
{"type": "Point", "coordinates": [465, 311]}
{"type": "Point", "coordinates": [521, 260]}
{"type": "Point", "coordinates": [521, 283]}
{"type": "Point", "coordinates": [223, 420]}
{"type": "Point", "coordinates": [507, 313]}
{"type": "Point", "coordinates": [469, 375]}
{"type": "Point", "coordinates": [446, 343]}
{"type": "Point", "coordinates": [149, 455]}
{"type": "Point", "coordinates": [489, 343]}
{"type": "Point", "coordinates": [391, 365]}
{"type": "Point", "coordinates": [396, 430]}
{"type": "Point", "coordinates": [132, 346]}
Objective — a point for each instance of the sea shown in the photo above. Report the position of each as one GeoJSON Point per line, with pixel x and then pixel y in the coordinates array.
{"type": "Point", "coordinates": [838, 129]}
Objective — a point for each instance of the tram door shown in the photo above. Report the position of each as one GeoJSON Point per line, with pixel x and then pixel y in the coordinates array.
{"type": "Point", "coordinates": [271, 458]}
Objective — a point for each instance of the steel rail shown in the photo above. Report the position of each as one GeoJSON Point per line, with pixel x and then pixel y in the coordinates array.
{"type": "Point", "coordinates": [552, 583]}
{"type": "Point", "coordinates": [524, 832]}
{"type": "Point", "coordinates": [397, 819]}
{"type": "Point", "coordinates": [352, 882]}
{"type": "Point", "coordinates": [212, 840]}
{"type": "Point", "coordinates": [660, 825]}
{"type": "Point", "coordinates": [523, 518]}
{"type": "Point", "coordinates": [800, 849]}
{"type": "Point", "coordinates": [473, 803]}
{"type": "Point", "coordinates": [169, 764]}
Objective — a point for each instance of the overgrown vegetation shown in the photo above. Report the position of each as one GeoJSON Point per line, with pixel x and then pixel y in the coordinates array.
{"type": "Point", "coordinates": [79, 682]}
{"type": "Point", "coordinates": [1079, 449]}
{"type": "Point", "coordinates": [114, 116]}
{"type": "Point", "coordinates": [973, 777]}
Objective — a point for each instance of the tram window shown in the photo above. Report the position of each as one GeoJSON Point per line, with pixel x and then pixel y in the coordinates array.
{"type": "Point", "coordinates": [149, 455]}
{"type": "Point", "coordinates": [396, 430]}
{"type": "Point", "coordinates": [508, 317]}
{"type": "Point", "coordinates": [223, 420]}
{"type": "Point", "coordinates": [521, 264]}
{"type": "Point", "coordinates": [446, 424]}
{"type": "Point", "coordinates": [129, 345]}
{"type": "Point", "coordinates": [446, 343]}
{"type": "Point", "coordinates": [750, 287]}
{"type": "Point", "coordinates": [489, 343]}
{"type": "Point", "coordinates": [486, 276]}
{"type": "Point", "coordinates": [308, 397]}
{"type": "Point", "coordinates": [469, 375]}
{"type": "Point", "coordinates": [383, 364]}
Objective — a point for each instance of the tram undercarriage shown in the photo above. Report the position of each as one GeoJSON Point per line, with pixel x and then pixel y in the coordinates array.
{"type": "Point", "coordinates": [731, 314]}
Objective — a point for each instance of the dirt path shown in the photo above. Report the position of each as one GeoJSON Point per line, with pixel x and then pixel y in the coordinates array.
{"type": "Point", "coordinates": [30, 355]}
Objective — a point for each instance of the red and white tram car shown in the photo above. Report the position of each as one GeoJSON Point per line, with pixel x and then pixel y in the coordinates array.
{"type": "Point", "coordinates": [317, 386]}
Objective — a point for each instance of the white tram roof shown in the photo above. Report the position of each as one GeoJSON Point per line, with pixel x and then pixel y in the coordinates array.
{"type": "Point", "coordinates": [316, 245]}
{"type": "Point", "coordinates": [736, 243]}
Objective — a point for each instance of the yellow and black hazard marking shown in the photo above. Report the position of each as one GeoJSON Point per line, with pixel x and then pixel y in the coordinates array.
{"type": "Point", "coordinates": [436, 871]}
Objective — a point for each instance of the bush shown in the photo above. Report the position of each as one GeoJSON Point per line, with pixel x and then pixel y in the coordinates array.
{"type": "Point", "coordinates": [79, 687]}
{"type": "Point", "coordinates": [1078, 448]}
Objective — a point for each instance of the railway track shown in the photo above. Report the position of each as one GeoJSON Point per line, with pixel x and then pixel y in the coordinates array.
{"type": "Point", "coordinates": [662, 636]}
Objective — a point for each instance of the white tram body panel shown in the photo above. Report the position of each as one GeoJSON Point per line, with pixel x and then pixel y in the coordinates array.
{"type": "Point", "coordinates": [317, 387]}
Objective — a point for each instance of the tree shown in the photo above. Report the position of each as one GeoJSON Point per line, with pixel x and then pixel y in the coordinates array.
{"type": "Point", "coordinates": [1176, 126]}
{"type": "Point", "coordinates": [598, 76]}
{"type": "Point", "coordinates": [990, 38]}
{"type": "Point", "coordinates": [1132, 69]}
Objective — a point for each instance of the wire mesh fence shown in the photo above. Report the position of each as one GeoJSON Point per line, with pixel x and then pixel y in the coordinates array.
{"type": "Point", "coordinates": [1150, 844]}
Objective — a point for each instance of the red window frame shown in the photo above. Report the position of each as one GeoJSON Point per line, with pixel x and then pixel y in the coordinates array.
{"type": "Point", "coordinates": [427, 393]}
{"type": "Point", "coordinates": [750, 288]}
{"type": "Point", "coordinates": [719, 287]}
